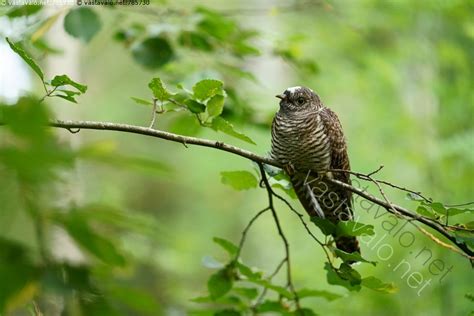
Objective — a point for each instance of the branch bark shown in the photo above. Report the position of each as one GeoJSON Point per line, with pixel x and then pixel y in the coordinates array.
{"type": "Point", "coordinates": [74, 126]}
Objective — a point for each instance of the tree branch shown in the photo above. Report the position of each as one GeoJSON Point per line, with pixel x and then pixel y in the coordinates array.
{"type": "Point", "coordinates": [186, 140]}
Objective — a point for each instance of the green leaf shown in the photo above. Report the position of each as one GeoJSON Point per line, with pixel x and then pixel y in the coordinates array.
{"type": "Point", "coordinates": [426, 211]}
{"type": "Point", "coordinates": [456, 211]}
{"type": "Point", "coordinates": [207, 88]}
{"type": "Point", "coordinates": [66, 97]}
{"type": "Point", "coordinates": [304, 312]}
{"type": "Point", "coordinates": [105, 152]}
{"type": "Point", "coordinates": [352, 228]}
{"type": "Point", "coordinates": [279, 289]}
{"type": "Point", "coordinates": [99, 246]}
{"type": "Point", "coordinates": [239, 180]}
{"type": "Point", "coordinates": [378, 285]}
{"type": "Point", "coordinates": [159, 90]}
{"type": "Point", "coordinates": [272, 306]}
{"type": "Point", "coordinates": [185, 125]}
{"type": "Point", "coordinates": [219, 124]}
{"type": "Point", "coordinates": [153, 52]}
{"type": "Point", "coordinates": [17, 273]}
{"type": "Point", "coordinates": [195, 106]}
{"type": "Point", "coordinates": [33, 65]}
{"type": "Point", "coordinates": [330, 296]}
{"type": "Point", "coordinates": [248, 272]}
{"type": "Point", "coordinates": [141, 101]}
{"type": "Point", "coordinates": [65, 80]}
{"type": "Point", "coordinates": [285, 187]}
{"type": "Point", "coordinates": [345, 279]}
{"type": "Point", "coordinates": [82, 23]}
{"type": "Point", "coordinates": [24, 10]}
{"type": "Point", "coordinates": [227, 312]}
{"type": "Point", "coordinates": [227, 245]}
{"type": "Point", "coordinates": [325, 225]}
{"type": "Point", "coordinates": [138, 299]}
{"type": "Point", "coordinates": [195, 41]}
{"type": "Point", "coordinates": [352, 257]}
{"type": "Point", "coordinates": [438, 208]}
{"type": "Point", "coordinates": [248, 292]}
{"type": "Point", "coordinates": [215, 105]}
{"type": "Point", "coordinates": [220, 283]}
{"type": "Point", "coordinates": [465, 236]}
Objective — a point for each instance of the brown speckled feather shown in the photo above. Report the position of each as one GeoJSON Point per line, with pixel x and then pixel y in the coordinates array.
{"type": "Point", "coordinates": [309, 138]}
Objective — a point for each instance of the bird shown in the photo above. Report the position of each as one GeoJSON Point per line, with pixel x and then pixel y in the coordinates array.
{"type": "Point", "coordinates": [308, 140]}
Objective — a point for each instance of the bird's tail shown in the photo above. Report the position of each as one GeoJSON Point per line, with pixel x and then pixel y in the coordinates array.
{"type": "Point", "coordinates": [306, 186]}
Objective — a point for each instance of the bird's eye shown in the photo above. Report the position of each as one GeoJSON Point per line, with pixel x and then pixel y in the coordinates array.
{"type": "Point", "coordinates": [300, 100]}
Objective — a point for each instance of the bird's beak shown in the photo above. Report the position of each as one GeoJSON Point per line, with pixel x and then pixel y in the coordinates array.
{"type": "Point", "coordinates": [281, 96]}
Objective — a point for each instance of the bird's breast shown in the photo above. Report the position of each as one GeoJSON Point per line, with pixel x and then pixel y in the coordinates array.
{"type": "Point", "coordinates": [301, 141]}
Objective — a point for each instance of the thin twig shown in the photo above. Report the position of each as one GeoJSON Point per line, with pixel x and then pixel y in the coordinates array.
{"type": "Point", "coordinates": [153, 114]}
{"type": "Point", "coordinates": [270, 277]}
{"type": "Point", "coordinates": [245, 231]}
{"type": "Point", "coordinates": [282, 235]}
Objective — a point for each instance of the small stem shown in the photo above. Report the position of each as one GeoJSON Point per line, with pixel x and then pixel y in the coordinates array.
{"type": "Point", "coordinates": [245, 231]}
{"type": "Point", "coordinates": [282, 235]}
{"type": "Point", "coordinates": [48, 93]}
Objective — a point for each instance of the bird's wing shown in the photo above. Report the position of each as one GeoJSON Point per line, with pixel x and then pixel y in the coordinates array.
{"type": "Point", "coordinates": [339, 156]}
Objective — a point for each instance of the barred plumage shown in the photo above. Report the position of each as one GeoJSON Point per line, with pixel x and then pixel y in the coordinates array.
{"type": "Point", "coordinates": [308, 138]}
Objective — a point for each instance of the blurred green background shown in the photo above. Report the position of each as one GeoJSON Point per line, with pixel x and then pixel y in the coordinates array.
{"type": "Point", "coordinates": [399, 74]}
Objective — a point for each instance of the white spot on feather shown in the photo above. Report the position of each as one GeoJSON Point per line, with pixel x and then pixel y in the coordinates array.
{"type": "Point", "coordinates": [293, 89]}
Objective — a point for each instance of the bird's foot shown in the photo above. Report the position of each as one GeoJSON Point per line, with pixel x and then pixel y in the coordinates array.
{"type": "Point", "coordinates": [289, 169]}
{"type": "Point", "coordinates": [329, 175]}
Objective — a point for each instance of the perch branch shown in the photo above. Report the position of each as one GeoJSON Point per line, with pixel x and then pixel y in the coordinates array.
{"type": "Point", "coordinates": [185, 140]}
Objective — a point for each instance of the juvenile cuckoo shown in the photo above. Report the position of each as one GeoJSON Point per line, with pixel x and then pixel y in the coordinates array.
{"type": "Point", "coordinates": [307, 139]}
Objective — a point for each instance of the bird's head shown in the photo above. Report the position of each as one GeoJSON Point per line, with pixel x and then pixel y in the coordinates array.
{"type": "Point", "coordinates": [299, 99]}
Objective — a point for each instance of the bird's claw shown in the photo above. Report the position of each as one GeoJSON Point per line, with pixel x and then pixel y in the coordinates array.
{"type": "Point", "coordinates": [289, 169]}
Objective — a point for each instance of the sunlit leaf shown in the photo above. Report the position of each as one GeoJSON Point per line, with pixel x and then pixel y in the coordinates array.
{"type": "Point", "coordinates": [207, 88]}
{"type": "Point", "coordinates": [159, 90]}
{"type": "Point", "coordinates": [45, 27]}
{"type": "Point", "coordinates": [215, 105]}
{"type": "Point", "coordinates": [23, 10]}
{"type": "Point", "coordinates": [239, 180]}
